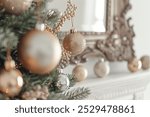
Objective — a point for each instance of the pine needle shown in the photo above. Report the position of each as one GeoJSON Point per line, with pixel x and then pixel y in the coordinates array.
{"type": "Point", "coordinates": [77, 94]}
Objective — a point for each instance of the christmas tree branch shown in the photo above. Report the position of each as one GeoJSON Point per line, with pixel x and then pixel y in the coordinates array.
{"type": "Point", "coordinates": [12, 29]}
{"type": "Point", "coordinates": [77, 94]}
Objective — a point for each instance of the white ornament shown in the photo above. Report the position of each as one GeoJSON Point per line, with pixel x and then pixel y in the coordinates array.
{"type": "Point", "coordinates": [102, 69]}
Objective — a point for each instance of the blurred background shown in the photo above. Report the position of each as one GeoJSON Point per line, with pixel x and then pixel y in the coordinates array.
{"type": "Point", "coordinates": [141, 21]}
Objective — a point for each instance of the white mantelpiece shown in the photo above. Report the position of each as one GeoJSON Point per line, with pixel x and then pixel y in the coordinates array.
{"type": "Point", "coordinates": [118, 86]}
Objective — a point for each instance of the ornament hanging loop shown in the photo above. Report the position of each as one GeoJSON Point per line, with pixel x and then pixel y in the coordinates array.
{"type": "Point", "coordinates": [9, 63]}
{"type": "Point", "coordinates": [8, 56]}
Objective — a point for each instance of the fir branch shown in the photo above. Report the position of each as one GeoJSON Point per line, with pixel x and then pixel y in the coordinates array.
{"type": "Point", "coordinates": [72, 80]}
{"type": "Point", "coordinates": [77, 94]}
{"type": "Point", "coordinates": [57, 96]}
{"type": "Point", "coordinates": [7, 39]}
{"type": "Point", "coordinates": [3, 97]}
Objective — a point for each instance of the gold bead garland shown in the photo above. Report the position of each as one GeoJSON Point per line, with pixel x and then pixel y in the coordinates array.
{"type": "Point", "coordinates": [65, 60]}
{"type": "Point", "coordinates": [68, 14]}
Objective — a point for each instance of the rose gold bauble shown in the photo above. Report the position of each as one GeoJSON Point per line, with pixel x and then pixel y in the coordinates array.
{"type": "Point", "coordinates": [145, 62]}
{"type": "Point", "coordinates": [15, 6]}
{"type": "Point", "coordinates": [134, 65]}
{"type": "Point", "coordinates": [75, 43]}
{"type": "Point", "coordinates": [80, 73]}
{"type": "Point", "coordinates": [11, 82]}
{"type": "Point", "coordinates": [39, 52]}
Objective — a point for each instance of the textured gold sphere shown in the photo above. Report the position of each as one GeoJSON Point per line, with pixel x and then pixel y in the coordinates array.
{"type": "Point", "coordinates": [39, 52]}
{"type": "Point", "coordinates": [102, 69]}
{"type": "Point", "coordinates": [134, 65]}
{"type": "Point", "coordinates": [75, 43]}
{"type": "Point", "coordinates": [15, 6]}
{"type": "Point", "coordinates": [11, 82]}
{"type": "Point", "coordinates": [145, 62]}
{"type": "Point", "coordinates": [80, 73]}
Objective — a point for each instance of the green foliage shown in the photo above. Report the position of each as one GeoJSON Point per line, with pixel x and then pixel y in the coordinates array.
{"type": "Point", "coordinates": [74, 94]}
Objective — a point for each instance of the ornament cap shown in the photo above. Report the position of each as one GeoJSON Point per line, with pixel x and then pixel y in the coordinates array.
{"type": "Point", "coordinates": [9, 65]}
{"type": "Point", "coordinates": [40, 26]}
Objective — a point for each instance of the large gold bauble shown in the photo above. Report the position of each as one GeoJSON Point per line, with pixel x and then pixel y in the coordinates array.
{"type": "Point", "coordinates": [15, 6]}
{"type": "Point", "coordinates": [11, 82]}
{"type": "Point", "coordinates": [80, 73]}
{"type": "Point", "coordinates": [75, 43]}
{"type": "Point", "coordinates": [39, 51]}
{"type": "Point", "coordinates": [134, 65]}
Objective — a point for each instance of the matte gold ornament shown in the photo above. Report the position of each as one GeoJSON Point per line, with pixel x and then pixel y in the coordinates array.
{"type": "Point", "coordinates": [15, 6]}
{"type": "Point", "coordinates": [11, 82]}
{"type": "Point", "coordinates": [80, 73]}
{"type": "Point", "coordinates": [102, 68]}
{"type": "Point", "coordinates": [75, 43]}
{"type": "Point", "coordinates": [145, 62]}
{"type": "Point", "coordinates": [39, 51]}
{"type": "Point", "coordinates": [134, 65]}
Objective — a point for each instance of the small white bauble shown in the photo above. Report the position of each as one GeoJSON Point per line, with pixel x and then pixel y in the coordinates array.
{"type": "Point", "coordinates": [102, 69]}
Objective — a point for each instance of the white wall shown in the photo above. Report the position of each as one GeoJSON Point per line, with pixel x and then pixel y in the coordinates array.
{"type": "Point", "coordinates": [87, 18]}
{"type": "Point", "coordinates": [141, 20]}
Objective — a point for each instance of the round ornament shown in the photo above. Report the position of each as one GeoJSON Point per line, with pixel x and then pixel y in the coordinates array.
{"type": "Point", "coordinates": [134, 65]}
{"type": "Point", "coordinates": [39, 51]}
{"type": "Point", "coordinates": [63, 82]}
{"type": "Point", "coordinates": [11, 82]}
{"type": "Point", "coordinates": [145, 62]}
{"type": "Point", "coordinates": [80, 73]}
{"type": "Point", "coordinates": [75, 43]}
{"type": "Point", "coordinates": [102, 68]}
{"type": "Point", "coordinates": [15, 6]}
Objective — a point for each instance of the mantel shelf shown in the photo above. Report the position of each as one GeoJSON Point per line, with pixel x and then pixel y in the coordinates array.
{"type": "Point", "coordinates": [118, 85]}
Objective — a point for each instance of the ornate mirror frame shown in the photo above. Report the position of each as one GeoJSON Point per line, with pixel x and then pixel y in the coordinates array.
{"type": "Point", "coordinates": [116, 44]}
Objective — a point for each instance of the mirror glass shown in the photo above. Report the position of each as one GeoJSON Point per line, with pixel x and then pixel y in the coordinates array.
{"type": "Point", "coordinates": [90, 15]}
